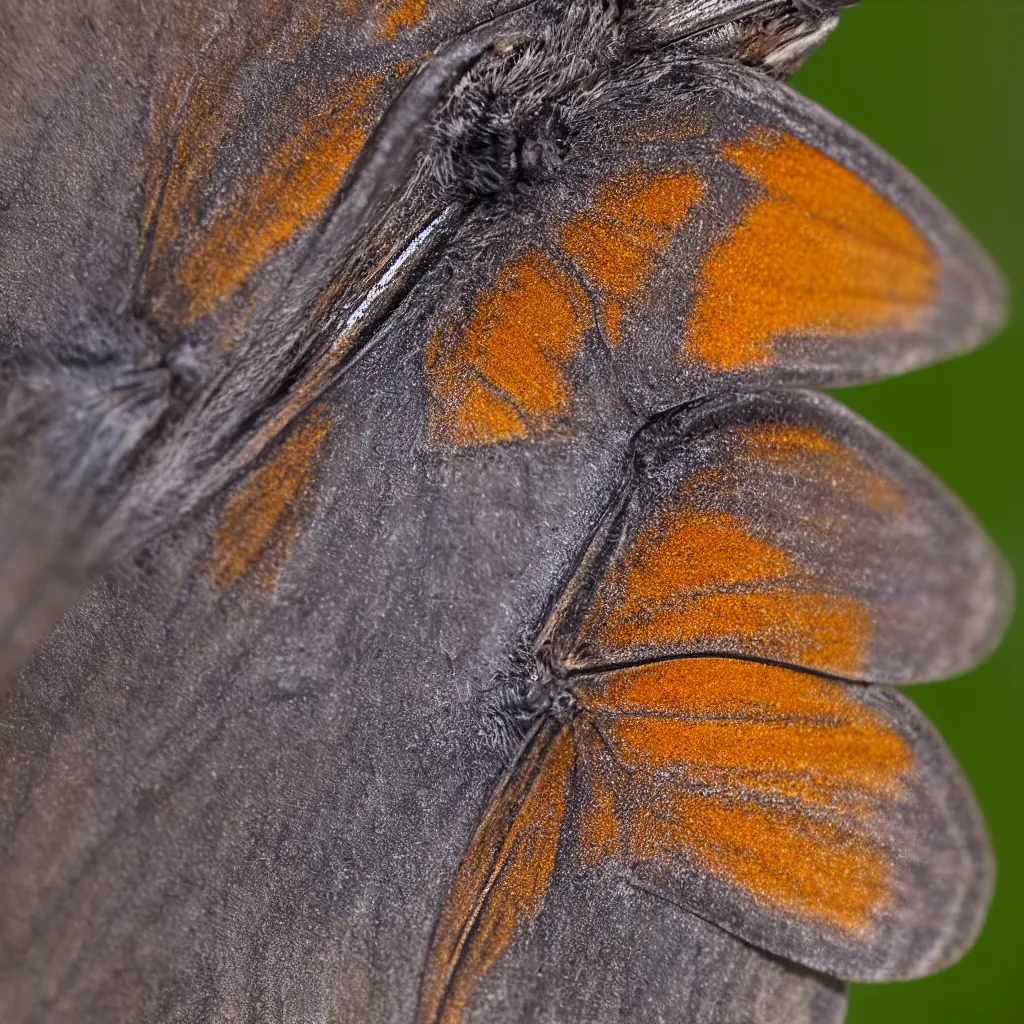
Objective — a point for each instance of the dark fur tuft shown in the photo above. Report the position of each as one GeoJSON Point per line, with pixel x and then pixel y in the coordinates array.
{"type": "Point", "coordinates": [509, 122]}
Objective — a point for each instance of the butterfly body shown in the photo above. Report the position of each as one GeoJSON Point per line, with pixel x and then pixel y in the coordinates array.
{"type": "Point", "coordinates": [461, 612]}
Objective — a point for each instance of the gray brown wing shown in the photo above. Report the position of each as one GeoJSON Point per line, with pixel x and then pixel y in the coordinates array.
{"type": "Point", "coordinates": [782, 527]}
{"type": "Point", "coordinates": [181, 190]}
{"type": "Point", "coordinates": [818, 819]}
{"type": "Point", "coordinates": [822, 821]}
{"type": "Point", "coordinates": [608, 950]}
{"type": "Point", "coordinates": [692, 223]}
{"type": "Point", "coordinates": [727, 234]}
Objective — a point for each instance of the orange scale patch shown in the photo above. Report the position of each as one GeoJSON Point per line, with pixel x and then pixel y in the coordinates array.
{"type": "Point", "coordinates": [753, 719]}
{"type": "Point", "coordinates": [286, 196]}
{"type": "Point", "coordinates": [818, 254]}
{"type": "Point", "coordinates": [506, 375]}
{"type": "Point", "coordinates": [616, 244]}
{"type": "Point", "coordinates": [502, 878]}
{"type": "Point", "coordinates": [795, 770]}
{"type": "Point", "coordinates": [704, 578]}
{"type": "Point", "coordinates": [179, 177]}
{"type": "Point", "coordinates": [694, 551]}
{"type": "Point", "coordinates": [819, 870]}
{"type": "Point", "coordinates": [821, 631]}
{"type": "Point", "coordinates": [259, 524]}
{"type": "Point", "coordinates": [598, 838]}
{"type": "Point", "coordinates": [401, 16]}
{"type": "Point", "coordinates": [717, 688]}
{"type": "Point", "coordinates": [818, 759]}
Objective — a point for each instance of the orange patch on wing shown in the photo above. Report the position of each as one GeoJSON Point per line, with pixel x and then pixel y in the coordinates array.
{"type": "Point", "coordinates": [401, 16]}
{"type": "Point", "coordinates": [822, 631]}
{"type": "Point", "coordinates": [807, 452]}
{"type": "Point", "coordinates": [599, 837]}
{"type": "Point", "coordinates": [259, 524]}
{"type": "Point", "coordinates": [197, 114]}
{"type": "Point", "coordinates": [693, 551]}
{"type": "Point", "coordinates": [505, 376]}
{"type": "Point", "coordinates": [702, 578]}
{"type": "Point", "coordinates": [818, 870]}
{"type": "Point", "coordinates": [286, 196]}
{"type": "Point", "coordinates": [179, 176]}
{"type": "Point", "coordinates": [502, 878]}
{"type": "Point", "coordinates": [790, 767]}
{"type": "Point", "coordinates": [618, 243]}
{"type": "Point", "coordinates": [751, 719]}
{"type": "Point", "coordinates": [768, 778]}
{"type": "Point", "coordinates": [818, 254]}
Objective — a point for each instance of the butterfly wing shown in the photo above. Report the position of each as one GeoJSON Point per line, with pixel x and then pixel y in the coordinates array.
{"type": "Point", "coordinates": [710, 227]}
{"type": "Point", "coordinates": [762, 543]}
{"type": "Point", "coordinates": [821, 821]}
{"type": "Point", "coordinates": [161, 160]}
{"type": "Point", "coordinates": [727, 233]}
{"type": "Point", "coordinates": [195, 180]}
{"type": "Point", "coordinates": [697, 220]}
{"type": "Point", "coordinates": [70, 179]}
{"type": "Point", "coordinates": [820, 260]}
{"type": "Point", "coordinates": [782, 527]}
{"type": "Point", "coordinates": [231, 213]}
{"type": "Point", "coordinates": [246, 821]}
{"type": "Point", "coordinates": [795, 536]}
{"type": "Point", "coordinates": [520, 880]}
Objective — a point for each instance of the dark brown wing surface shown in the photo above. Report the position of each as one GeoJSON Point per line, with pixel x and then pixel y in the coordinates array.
{"type": "Point", "coordinates": [521, 879]}
{"type": "Point", "coordinates": [186, 200]}
{"type": "Point", "coordinates": [239, 774]}
{"type": "Point", "coordinates": [725, 233]}
{"type": "Point", "coordinates": [271, 191]}
{"type": "Point", "coordinates": [821, 821]}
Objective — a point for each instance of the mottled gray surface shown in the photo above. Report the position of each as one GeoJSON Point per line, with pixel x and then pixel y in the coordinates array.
{"type": "Point", "coordinates": [248, 803]}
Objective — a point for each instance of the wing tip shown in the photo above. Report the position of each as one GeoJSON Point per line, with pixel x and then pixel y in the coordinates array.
{"type": "Point", "coordinates": [994, 605]}
{"type": "Point", "coordinates": [967, 905]}
{"type": "Point", "coordinates": [989, 300]}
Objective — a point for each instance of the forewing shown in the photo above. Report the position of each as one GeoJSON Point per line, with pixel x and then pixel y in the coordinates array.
{"type": "Point", "coordinates": [689, 226]}
{"type": "Point", "coordinates": [725, 232]}
{"type": "Point", "coordinates": [732, 231]}
{"type": "Point", "coordinates": [173, 152]}
{"type": "Point", "coordinates": [783, 528]}
{"type": "Point", "coordinates": [822, 821]}
{"type": "Point", "coordinates": [226, 206]}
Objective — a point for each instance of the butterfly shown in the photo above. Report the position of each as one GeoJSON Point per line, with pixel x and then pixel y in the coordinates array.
{"type": "Point", "coordinates": [443, 600]}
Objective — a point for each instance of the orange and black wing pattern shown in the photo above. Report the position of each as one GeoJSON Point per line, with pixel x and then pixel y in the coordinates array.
{"type": "Point", "coordinates": [697, 228]}
{"type": "Point", "coordinates": [226, 206]}
{"type": "Point", "coordinates": [567, 256]}
{"type": "Point", "coordinates": [183, 187]}
{"type": "Point", "coordinates": [779, 526]}
{"type": "Point", "coordinates": [728, 235]}
{"type": "Point", "coordinates": [708, 733]}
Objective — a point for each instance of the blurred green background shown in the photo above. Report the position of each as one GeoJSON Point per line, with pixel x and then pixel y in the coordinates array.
{"type": "Point", "coordinates": [940, 85]}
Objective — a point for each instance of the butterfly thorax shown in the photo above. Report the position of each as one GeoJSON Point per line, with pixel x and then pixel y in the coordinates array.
{"type": "Point", "coordinates": [510, 122]}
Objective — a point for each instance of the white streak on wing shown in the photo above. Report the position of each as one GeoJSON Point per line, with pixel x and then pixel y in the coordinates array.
{"type": "Point", "coordinates": [382, 282]}
{"type": "Point", "coordinates": [319, 375]}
